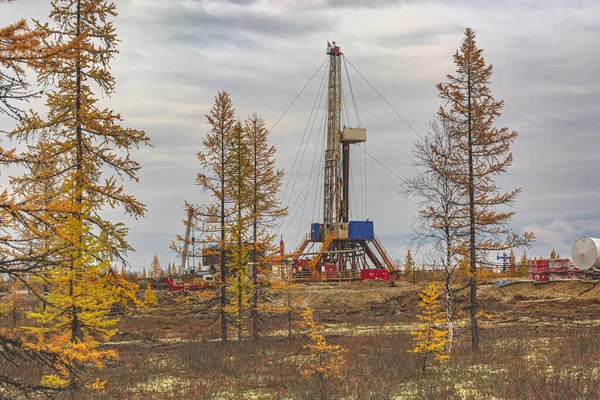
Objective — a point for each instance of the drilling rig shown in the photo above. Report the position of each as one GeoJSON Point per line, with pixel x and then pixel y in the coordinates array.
{"type": "Point", "coordinates": [338, 248]}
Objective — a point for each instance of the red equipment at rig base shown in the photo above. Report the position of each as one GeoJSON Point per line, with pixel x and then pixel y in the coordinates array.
{"type": "Point", "coordinates": [374, 274]}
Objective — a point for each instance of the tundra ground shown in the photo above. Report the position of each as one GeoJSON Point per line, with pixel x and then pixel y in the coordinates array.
{"type": "Point", "coordinates": [540, 343]}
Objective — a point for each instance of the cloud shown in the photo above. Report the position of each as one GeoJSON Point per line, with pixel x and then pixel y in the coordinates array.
{"type": "Point", "coordinates": [557, 234]}
{"type": "Point", "coordinates": [353, 4]}
{"type": "Point", "coordinates": [218, 25]}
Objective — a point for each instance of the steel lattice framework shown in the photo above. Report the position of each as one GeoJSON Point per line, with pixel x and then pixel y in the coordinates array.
{"type": "Point", "coordinates": [333, 187]}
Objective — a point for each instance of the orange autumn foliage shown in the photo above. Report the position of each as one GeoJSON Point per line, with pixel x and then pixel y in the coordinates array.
{"type": "Point", "coordinates": [324, 361]}
{"type": "Point", "coordinates": [91, 158]}
{"type": "Point", "coordinates": [482, 152]}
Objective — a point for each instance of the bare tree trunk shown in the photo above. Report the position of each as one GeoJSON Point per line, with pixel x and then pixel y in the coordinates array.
{"type": "Point", "coordinates": [76, 333]}
{"type": "Point", "coordinates": [254, 238]}
{"type": "Point", "coordinates": [255, 298]}
{"type": "Point", "coordinates": [14, 310]}
{"type": "Point", "coordinates": [449, 313]}
{"type": "Point", "coordinates": [323, 386]}
{"type": "Point", "coordinates": [75, 326]}
{"type": "Point", "coordinates": [448, 289]}
{"type": "Point", "coordinates": [240, 308]}
{"type": "Point", "coordinates": [222, 260]}
{"type": "Point", "coordinates": [473, 254]}
{"type": "Point", "coordinates": [424, 366]}
{"type": "Point", "coordinates": [240, 265]}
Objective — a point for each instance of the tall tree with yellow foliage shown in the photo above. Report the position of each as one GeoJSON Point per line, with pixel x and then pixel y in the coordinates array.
{"type": "Point", "coordinates": [324, 361]}
{"type": "Point", "coordinates": [239, 191]}
{"type": "Point", "coordinates": [24, 223]}
{"type": "Point", "coordinates": [264, 206]}
{"type": "Point", "coordinates": [93, 155]}
{"type": "Point", "coordinates": [430, 338]}
{"type": "Point", "coordinates": [149, 297]}
{"type": "Point", "coordinates": [155, 269]}
{"type": "Point", "coordinates": [482, 153]}
{"type": "Point", "coordinates": [214, 160]}
{"type": "Point", "coordinates": [409, 265]}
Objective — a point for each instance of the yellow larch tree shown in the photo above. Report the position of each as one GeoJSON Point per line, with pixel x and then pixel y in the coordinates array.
{"type": "Point", "coordinates": [93, 155]}
{"type": "Point", "coordinates": [239, 192]}
{"type": "Point", "coordinates": [265, 209]}
{"type": "Point", "coordinates": [124, 291]}
{"type": "Point", "coordinates": [239, 287]}
{"type": "Point", "coordinates": [155, 269]}
{"type": "Point", "coordinates": [25, 223]}
{"type": "Point", "coordinates": [409, 264]}
{"type": "Point", "coordinates": [324, 362]}
{"type": "Point", "coordinates": [149, 296]}
{"type": "Point", "coordinates": [430, 338]}
{"type": "Point", "coordinates": [214, 159]}
{"type": "Point", "coordinates": [524, 265]}
{"type": "Point", "coordinates": [482, 153]}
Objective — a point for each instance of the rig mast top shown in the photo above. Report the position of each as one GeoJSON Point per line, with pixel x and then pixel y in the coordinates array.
{"type": "Point", "coordinates": [332, 48]}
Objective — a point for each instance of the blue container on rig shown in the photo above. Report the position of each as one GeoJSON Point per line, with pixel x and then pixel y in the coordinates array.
{"type": "Point", "coordinates": [314, 231]}
{"type": "Point", "coordinates": [361, 230]}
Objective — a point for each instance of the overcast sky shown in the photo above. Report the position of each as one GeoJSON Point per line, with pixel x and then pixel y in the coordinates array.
{"type": "Point", "coordinates": [176, 54]}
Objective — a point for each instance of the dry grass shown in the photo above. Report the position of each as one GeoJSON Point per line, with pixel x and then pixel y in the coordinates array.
{"type": "Point", "coordinates": [512, 364]}
{"type": "Point", "coordinates": [173, 353]}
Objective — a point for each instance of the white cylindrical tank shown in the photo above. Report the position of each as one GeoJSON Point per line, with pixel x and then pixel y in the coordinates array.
{"type": "Point", "coordinates": [586, 253]}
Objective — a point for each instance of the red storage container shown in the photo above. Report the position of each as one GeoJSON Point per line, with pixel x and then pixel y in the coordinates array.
{"type": "Point", "coordinates": [539, 266]}
{"type": "Point", "coordinates": [559, 265]}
